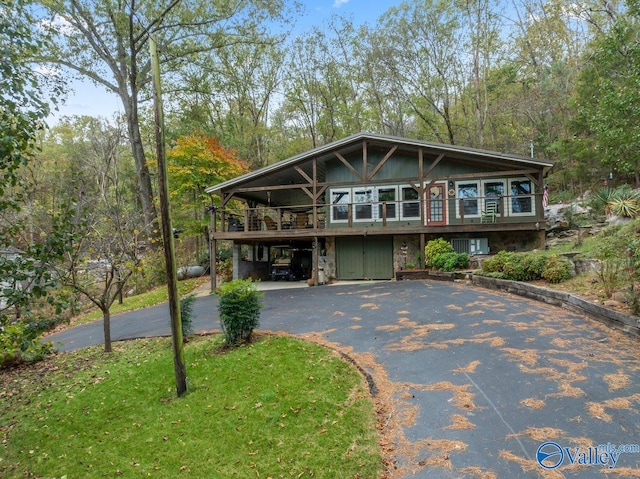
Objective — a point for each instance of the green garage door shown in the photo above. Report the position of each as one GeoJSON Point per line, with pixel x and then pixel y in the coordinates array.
{"type": "Point", "coordinates": [369, 257]}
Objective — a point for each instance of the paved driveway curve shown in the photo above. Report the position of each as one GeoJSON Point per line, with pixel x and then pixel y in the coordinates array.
{"type": "Point", "coordinates": [473, 381]}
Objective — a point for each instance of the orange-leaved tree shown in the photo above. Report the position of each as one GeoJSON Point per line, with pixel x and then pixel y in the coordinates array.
{"type": "Point", "coordinates": [194, 163]}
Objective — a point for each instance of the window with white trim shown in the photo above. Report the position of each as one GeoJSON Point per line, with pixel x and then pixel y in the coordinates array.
{"type": "Point", "coordinates": [387, 195]}
{"type": "Point", "coordinates": [340, 200]}
{"type": "Point", "coordinates": [492, 190]}
{"type": "Point", "coordinates": [467, 191]}
{"type": "Point", "coordinates": [410, 203]}
{"type": "Point", "coordinates": [521, 197]}
{"type": "Point", "coordinates": [362, 204]}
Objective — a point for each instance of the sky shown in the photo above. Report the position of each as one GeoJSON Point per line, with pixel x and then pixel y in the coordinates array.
{"type": "Point", "coordinates": [88, 99]}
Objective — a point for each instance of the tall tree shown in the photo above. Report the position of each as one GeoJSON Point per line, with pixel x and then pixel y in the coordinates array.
{"type": "Point", "coordinates": [194, 163]}
{"type": "Point", "coordinates": [608, 95]}
{"type": "Point", "coordinates": [423, 52]}
{"type": "Point", "coordinates": [84, 161]}
{"type": "Point", "coordinates": [323, 91]}
{"type": "Point", "coordinates": [105, 41]}
{"type": "Point", "coordinates": [25, 276]}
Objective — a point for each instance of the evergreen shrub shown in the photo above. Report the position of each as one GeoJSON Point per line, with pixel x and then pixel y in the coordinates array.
{"type": "Point", "coordinates": [239, 308]}
{"type": "Point", "coordinates": [435, 248]}
{"type": "Point", "coordinates": [556, 269]}
{"type": "Point", "coordinates": [451, 261]}
{"type": "Point", "coordinates": [527, 267]}
{"type": "Point", "coordinates": [186, 315]}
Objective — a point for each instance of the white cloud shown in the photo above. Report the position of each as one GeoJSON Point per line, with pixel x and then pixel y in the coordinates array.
{"type": "Point", "coordinates": [339, 3]}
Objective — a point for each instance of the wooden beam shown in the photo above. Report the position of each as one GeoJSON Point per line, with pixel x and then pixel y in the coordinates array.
{"type": "Point", "coordinates": [226, 197]}
{"type": "Point", "coordinates": [365, 161]}
{"type": "Point", "coordinates": [309, 193]}
{"type": "Point", "coordinates": [384, 160]}
{"type": "Point", "coordinates": [314, 198]}
{"type": "Point", "coordinates": [348, 165]}
{"type": "Point", "coordinates": [433, 165]}
{"type": "Point", "coordinates": [303, 174]}
{"type": "Point", "coordinates": [254, 189]}
{"type": "Point", "coordinates": [422, 204]}
{"type": "Point", "coordinates": [321, 191]}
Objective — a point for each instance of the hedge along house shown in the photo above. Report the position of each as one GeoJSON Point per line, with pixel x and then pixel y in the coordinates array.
{"type": "Point", "coordinates": [365, 206]}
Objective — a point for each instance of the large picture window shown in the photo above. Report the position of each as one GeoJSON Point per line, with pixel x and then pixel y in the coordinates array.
{"type": "Point", "coordinates": [521, 197]}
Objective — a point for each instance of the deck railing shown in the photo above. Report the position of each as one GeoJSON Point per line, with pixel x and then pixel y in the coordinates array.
{"type": "Point", "coordinates": [493, 209]}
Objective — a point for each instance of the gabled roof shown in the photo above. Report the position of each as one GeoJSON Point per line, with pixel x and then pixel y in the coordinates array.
{"type": "Point", "coordinates": [355, 141]}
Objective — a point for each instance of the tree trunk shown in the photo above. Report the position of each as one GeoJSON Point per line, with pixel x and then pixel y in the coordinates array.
{"type": "Point", "coordinates": [106, 315]}
{"type": "Point", "coordinates": [145, 190]}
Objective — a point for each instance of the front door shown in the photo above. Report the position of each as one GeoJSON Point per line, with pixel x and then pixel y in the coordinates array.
{"type": "Point", "coordinates": [436, 204]}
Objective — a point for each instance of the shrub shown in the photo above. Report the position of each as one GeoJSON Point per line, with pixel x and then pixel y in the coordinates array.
{"type": "Point", "coordinates": [225, 269]}
{"type": "Point", "coordinates": [497, 262]}
{"type": "Point", "coordinates": [557, 270]}
{"type": "Point", "coordinates": [239, 308]}
{"type": "Point", "coordinates": [20, 344]}
{"type": "Point", "coordinates": [186, 315]}
{"type": "Point", "coordinates": [434, 248]}
{"type": "Point", "coordinates": [527, 267]}
{"type": "Point", "coordinates": [451, 261]}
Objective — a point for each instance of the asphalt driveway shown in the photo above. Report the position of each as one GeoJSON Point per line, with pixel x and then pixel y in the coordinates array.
{"type": "Point", "coordinates": [469, 382]}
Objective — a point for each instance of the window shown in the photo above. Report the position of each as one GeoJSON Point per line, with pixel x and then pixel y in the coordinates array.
{"type": "Point", "coordinates": [493, 190]}
{"type": "Point", "coordinates": [363, 207]}
{"type": "Point", "coordinates": [340, 205]}
{"type": "Point", "coordinates": [387, 195]}
{"type": "Point", "coordinates": [521, 198]}
{"type": "Point", "coordinates": [468, 193]}
{"type": "Point", "coordinates": [410, 203]}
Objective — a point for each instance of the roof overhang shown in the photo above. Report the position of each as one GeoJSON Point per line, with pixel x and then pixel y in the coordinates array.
{"type": "Point", "coordinates": [287, 173]}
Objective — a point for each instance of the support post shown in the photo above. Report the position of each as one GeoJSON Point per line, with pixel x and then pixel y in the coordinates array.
{"type": "Point", "coordinates": [213, 250]}
{"type": "Point", "coordinates": [315, 261]}
{"type": "Point", "coordinates": [167, 231]}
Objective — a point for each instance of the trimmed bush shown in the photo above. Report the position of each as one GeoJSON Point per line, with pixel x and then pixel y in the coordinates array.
{"type": "Point", "coordinates": [186, 315]}
{"type": "Point", "coordinates": [527, 267]}
{"type": "Point", "coordinates": [556, 270]}
{"type": "Point", "coordinates": [239, 308]}
{"type": "Point", "coordinates": [451, 261]}
{"type": "Point", "coordinates": [435, 248]}
{"type": "Point", "coordinates": [497, 262]}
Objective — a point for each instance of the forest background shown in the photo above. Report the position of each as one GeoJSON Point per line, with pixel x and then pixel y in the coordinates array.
{"type": "Point", "coordinates": [243, 88]}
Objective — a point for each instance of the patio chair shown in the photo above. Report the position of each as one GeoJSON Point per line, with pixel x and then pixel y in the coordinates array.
{"type": "Point", "coordinates": [489, 213]}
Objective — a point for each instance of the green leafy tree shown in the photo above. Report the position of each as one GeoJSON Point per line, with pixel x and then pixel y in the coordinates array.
{"type": "Point", "coordinates": [608, 96]}
{"type": "Point", "coordinates": [194, 163]}
{"type": "Point", "coordinates": [84, 161]}
{"type": "Point", "coordinates": [25, 274]}
{"type": "Point", "coordinates": [105, 41]}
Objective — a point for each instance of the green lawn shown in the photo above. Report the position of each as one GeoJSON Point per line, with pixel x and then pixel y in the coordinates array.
{"type": "Point", "coordinates": [279, 407]}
